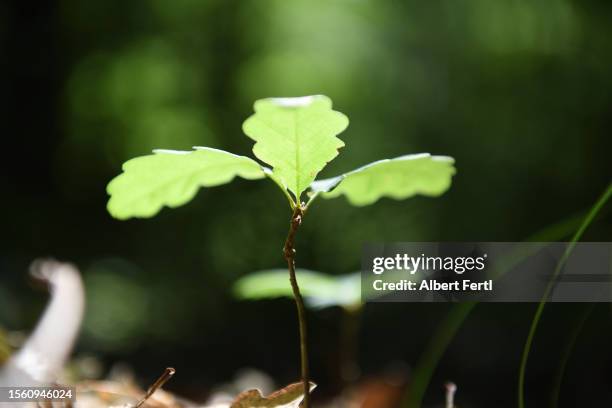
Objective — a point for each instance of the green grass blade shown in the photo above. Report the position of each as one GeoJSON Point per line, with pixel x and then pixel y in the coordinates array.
{"type": "Point", "coordinates": [459, 312]}
{"type": "Point", "coordinates": [538, 314]}
{"type": "Point", "coordinates": [556, 390]}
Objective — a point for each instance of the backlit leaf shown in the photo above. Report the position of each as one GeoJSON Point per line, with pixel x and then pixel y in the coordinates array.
{"type": "Point", "coordinates": [296, 136]}
{"type": "Point", "coordinates": [172, 178]}
{"type": "Point", "coordinates": [319, 289]}
{"type": "Point", "coordinates": [398, 178]}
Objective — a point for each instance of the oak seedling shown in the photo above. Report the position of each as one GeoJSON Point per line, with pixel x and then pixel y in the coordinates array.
{"type": "Point", "coordinates": [296, 138]}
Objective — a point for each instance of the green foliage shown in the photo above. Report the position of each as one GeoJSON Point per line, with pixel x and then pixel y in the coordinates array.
{"type": "Point", "coordinates": [588, 220]}
{"type": "Point", "coordinates": [297, 138]}
{"type": "Point", "coordinates": [172, 178]}
{"type": "Point", "coordinates": [319, 289]}
{"type": "Point", "coordinates": [459, 312]}
{"type": "Point", "coordinates": [398, 178]}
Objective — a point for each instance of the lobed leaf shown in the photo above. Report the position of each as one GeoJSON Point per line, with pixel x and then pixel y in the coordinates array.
{"type": "Point", "coordinates": [398, 178]}
{"type": "Point", "coordinates": [296, 136]}
{"type": "Point", "coordinates": [319, 289]}
{"type": "Point", "coordinates": [172, 178]}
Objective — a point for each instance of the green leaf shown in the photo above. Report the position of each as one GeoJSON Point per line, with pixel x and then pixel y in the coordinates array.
{"type": "Point", "coordinates": [319, 290]}
{"type": "Point", "coordinates": [172, 178]}
{"type": "Point", "coordinates": [397, 178]}
{"type": "Point", "coordinates": [296, 136]}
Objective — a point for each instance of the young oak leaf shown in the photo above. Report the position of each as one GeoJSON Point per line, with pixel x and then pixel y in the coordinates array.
{"type": "Point", "coordinates": [319, 289]}
{"type": "Point", "coordinates": [296, 136]}
{"type": "Point", "coordinates": [289, 397]}
{"type": "Point", "coordinates": [172, 178]}
{"type": "Point", "coordinates": [397, 178]}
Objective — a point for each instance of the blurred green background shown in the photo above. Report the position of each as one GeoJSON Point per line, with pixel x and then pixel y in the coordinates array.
{"type": "Point", "coordinates": [519, 92]}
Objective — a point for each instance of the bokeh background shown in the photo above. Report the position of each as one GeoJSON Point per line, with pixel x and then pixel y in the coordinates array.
{"type": "Point", "coordinates": [519, 92]}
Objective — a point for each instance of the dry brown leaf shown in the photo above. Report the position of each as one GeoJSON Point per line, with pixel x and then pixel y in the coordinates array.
{"type": "Point", "coordinates": [289, 397]}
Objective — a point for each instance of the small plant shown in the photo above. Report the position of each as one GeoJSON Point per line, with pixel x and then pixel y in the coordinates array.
{"type": "Point", "coordinates": [296, 137]}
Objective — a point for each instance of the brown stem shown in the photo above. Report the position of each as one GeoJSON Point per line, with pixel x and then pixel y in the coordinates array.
{"type": "Point", "coordinates": [289, 252]}
{"type": "Point", "coordinates": [168, 373]}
